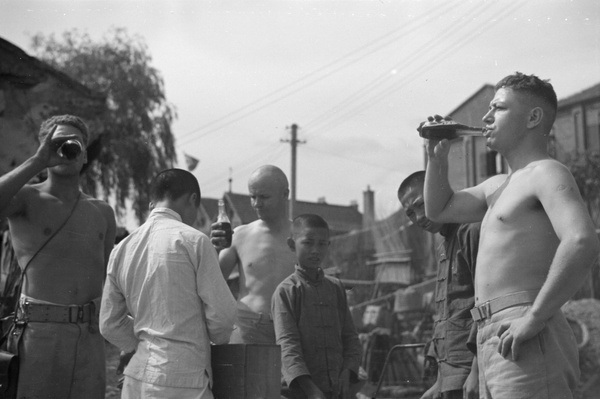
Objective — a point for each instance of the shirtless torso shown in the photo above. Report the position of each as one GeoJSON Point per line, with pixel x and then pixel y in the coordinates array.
{"type": "Point", "coordinates": [70, 269]}
{"type": "Point", "coordinates": [259, 249]}
{"type": "Point", "coordinates": [264, 260]}
{"type": "Point", "coordinates": [536, 235]}
{"type": "Point", "coordinates": [518, 241]}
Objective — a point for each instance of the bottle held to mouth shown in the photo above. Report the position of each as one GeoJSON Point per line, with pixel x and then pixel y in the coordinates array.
{"type": "Point", "coordinates": [70, 149]}
{"type": "Point", "coordinates": [224, 223]}
{"type": "Point", "coordinates": [448, 130]}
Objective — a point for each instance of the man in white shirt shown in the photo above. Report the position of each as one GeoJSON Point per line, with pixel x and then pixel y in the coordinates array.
{"type": "Point", "coordinates": [165, 297]}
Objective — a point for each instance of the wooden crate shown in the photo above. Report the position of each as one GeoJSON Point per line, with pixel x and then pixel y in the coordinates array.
{"type": "Point", "coordinates": [246, 371]}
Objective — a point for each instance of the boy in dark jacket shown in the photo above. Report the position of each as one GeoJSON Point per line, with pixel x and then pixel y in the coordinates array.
{"type": "Point", "coordinates": [320, 350]}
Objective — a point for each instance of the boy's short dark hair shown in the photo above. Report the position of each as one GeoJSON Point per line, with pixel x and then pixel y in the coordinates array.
{"type": "Point", "coordinates": [69, 120]}
{"type": "Point", "coordinates": [172, 184]}
{"type": "Point", "coordinates": [417, 178]}
{"type": "Point", "coordinates": [532, 85]}
{"type": "Point", "coordinates": [308, 220]}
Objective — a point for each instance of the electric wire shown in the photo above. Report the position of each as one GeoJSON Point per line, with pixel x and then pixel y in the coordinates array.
{"type": "Point", "coordinates": [384, 77]}
{"type": "Point", "coordinates": [321, 122]}
{"type": "Point", "coordinates": [184, 139]}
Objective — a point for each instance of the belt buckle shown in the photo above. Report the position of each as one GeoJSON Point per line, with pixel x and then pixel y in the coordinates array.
{"type": "Point", "coordinates": [75, 313]}
{"type": "Point", "coordinates": [485, 310]}
{"type": "Point", "coordinates": [22, 313]}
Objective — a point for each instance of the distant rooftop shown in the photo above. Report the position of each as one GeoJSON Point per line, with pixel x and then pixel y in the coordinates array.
{"type": "Point", "coordinates": [341, 218]}
{"type": "Point", "coordinates": [582, 96]}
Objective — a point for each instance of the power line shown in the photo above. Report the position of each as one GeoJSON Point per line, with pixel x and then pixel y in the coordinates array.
{"type": "Point", "coordinates": [353, 59]}
{"type": "Point", "coordinates": [265, 156]}
{"type": "Point", "coordinates": [426, 66]}
{"type": "Point", "coordinates": [309, 147]}
{"type": "Point", "coordinates": [382, 78]}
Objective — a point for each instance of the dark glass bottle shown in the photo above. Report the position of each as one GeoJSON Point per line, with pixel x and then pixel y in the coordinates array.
{"type": "Point", "coordinates": [224, 222]}
{"type": "Point", "coordinates": [70, 149]}
{"type": "Point", "coordinates": [448, 130]}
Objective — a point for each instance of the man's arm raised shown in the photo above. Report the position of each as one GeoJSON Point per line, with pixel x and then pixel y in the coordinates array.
{"type": "Point", "coordinates": [12, 182]}
{"type": "Point", "coordinates": [442, 204]}
{"type": "Point", "coordinates": [578, 247]}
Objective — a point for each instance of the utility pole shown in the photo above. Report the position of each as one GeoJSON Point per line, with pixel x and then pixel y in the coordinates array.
{"type": "Point", "coordinates": [294, 143]}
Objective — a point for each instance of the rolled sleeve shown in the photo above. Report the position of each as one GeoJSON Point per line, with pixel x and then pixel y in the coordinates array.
{"type": "Point", "coordinates": [116, 325]}
{"type": "Point", "coordinates": [218, 301]}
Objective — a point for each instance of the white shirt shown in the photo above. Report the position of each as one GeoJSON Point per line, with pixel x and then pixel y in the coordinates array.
{"type": "Point", "coordinates": [166, 298]}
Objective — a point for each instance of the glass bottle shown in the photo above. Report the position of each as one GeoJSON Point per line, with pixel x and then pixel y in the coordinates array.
{"type": "Point", "coordinates": [70, 149]}
{"type": "Point", "coordinates": [448, 130]}
{"type": "Point", "coordinates": [224, 223]}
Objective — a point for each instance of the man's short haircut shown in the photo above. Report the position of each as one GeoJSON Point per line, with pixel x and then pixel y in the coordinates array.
{"type": "Point", "coordinates": [415, 179]}
{"type": "Point", "coordinates": [172, 184]}
{"type": "Point", "coordinates": [308, 220]}
{"type": "Point", "coordinates": [532, 85]}
{"type": "Point", "coordinates": [272, 173]}
{"type": "Point", "coordinates": [69, 120]}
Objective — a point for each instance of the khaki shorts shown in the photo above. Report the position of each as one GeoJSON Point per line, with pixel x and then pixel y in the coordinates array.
{"type": "Point", "coordinates": [548, 364]}
{"type": "Point", "coordinates": [253, 328]}
{"type": "Point", "coordinates": [62, 360]}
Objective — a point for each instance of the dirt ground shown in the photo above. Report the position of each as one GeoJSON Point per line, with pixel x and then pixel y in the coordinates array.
{"type": "Point", "coordinates": [586, 310]}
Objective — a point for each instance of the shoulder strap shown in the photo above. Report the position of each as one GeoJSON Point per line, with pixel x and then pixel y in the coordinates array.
{"type": "Point", "coordinates": [44, 245]}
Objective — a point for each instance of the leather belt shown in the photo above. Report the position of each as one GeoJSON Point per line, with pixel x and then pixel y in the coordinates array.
{"type": "Point", "coordinates": [42, 312]}
{"type": "Point", "coordinates": [487, 309]}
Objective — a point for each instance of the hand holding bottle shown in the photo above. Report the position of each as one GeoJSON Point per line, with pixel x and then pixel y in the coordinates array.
{"type": "Point", "coordinates": [221, 233]}
{"type": "Point", "coordinates": [438, 128]}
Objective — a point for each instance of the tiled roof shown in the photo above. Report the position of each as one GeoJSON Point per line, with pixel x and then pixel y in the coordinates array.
{"type": "Point", "coordinates": [211, 206]}
{"type": "Point", "coordinates": [341, 219]}
{"type": "Point", "coordinates": [483, 88]}
{"type": "Point", "coordinates": [27, 71]}
{"type": "Point", "coordinates": [584, 95]}
{"type": "Point", "coordinates": [241, 206]}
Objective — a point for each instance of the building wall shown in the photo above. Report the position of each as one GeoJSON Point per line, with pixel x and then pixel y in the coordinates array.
{"type": "Point", "coordinates": [31, 91]}
{"type": "Point", "coordinates": [577, 129]}
{"type": "Point", "coordinates": [469, 156]}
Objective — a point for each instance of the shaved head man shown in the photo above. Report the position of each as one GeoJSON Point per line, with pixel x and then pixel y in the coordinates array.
{"type": "Point", "coordinates": [259, 250]}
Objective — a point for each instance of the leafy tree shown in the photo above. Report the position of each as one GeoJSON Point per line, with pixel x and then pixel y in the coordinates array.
{"type": "Point", "coordinates": [135, 139]}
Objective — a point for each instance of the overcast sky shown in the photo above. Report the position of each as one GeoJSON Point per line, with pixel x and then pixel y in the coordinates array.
{"type": "Point", "coordinates": [357, 77]}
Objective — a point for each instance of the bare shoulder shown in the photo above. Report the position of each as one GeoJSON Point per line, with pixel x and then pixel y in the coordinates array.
{"type": "Point", "coordinates": [102, 206]}
{"type": "Point", "coordinates": [549, 167]}
{"type": "Point", "coordinates": [492, 184]}
{"type": "Point", "coordinates": [550, 174]}
{"type": "Point", "coordinates": [29, 197]}
{"type": "Point", "coordinates": [242, 231]}
{"type": "Point", "coordinates": [248, 229]}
